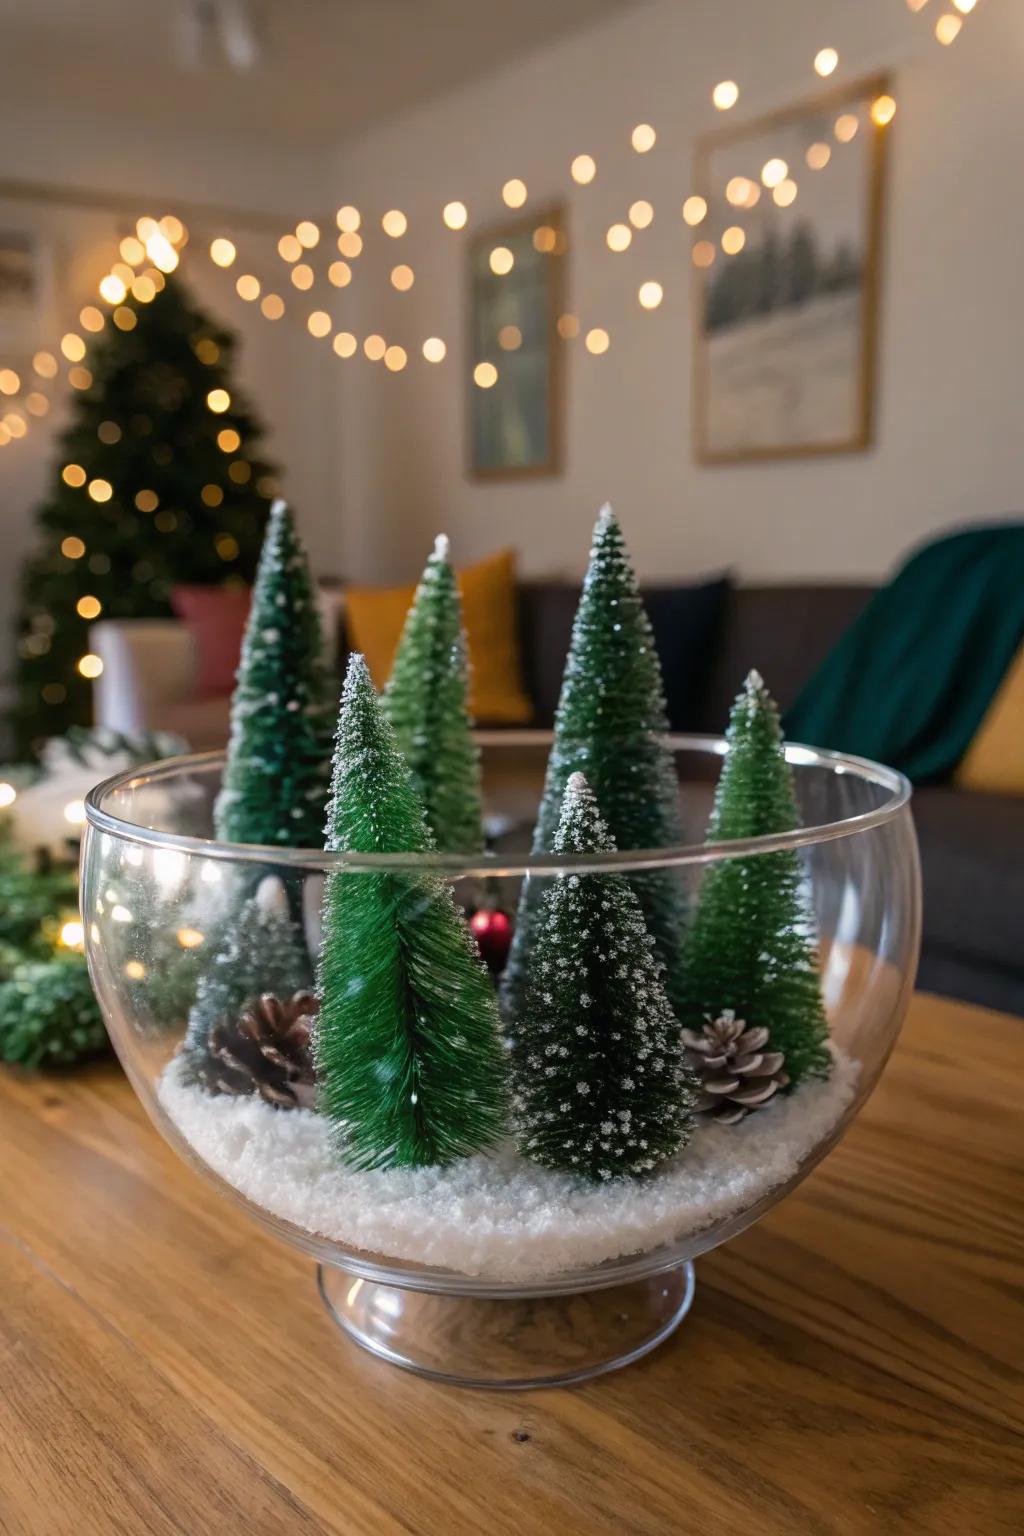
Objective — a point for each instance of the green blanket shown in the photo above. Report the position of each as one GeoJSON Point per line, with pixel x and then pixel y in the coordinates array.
{"type": "Point", "coordinates": [910, 680]}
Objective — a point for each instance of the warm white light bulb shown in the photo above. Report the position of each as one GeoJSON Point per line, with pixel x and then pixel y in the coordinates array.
{"type": "Point", "coordinates": [222, 252]}
{"type": "Point", "coordinates": [773, 171]}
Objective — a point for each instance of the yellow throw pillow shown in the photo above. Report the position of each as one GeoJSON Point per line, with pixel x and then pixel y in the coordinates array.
{"type": "Point", "coordinates": [374, 617]}
{"type": "Point", "coordinates": [994, 761]}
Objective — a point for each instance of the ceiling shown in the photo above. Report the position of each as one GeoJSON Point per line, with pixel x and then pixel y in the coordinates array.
{"type": "Point", "coordinates": [324, 69]}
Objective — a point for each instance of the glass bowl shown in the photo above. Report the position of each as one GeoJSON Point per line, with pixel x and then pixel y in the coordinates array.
{"type": "Point", "coordinates": [493, 1273]}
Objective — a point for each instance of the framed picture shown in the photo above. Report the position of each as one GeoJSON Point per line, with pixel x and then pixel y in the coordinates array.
{"type": "Point", "coordinates": [516, 290]}
{"type": "Point", "coordinates": [786, 274]}
{"type": "Point", "coordinates": [24, 292]}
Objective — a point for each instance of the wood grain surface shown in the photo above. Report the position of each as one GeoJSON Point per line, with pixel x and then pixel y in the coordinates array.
{"type": "Point", "coordinates": [852, 1364]}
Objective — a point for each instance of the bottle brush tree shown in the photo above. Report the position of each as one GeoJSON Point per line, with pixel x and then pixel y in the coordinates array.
{"type": "Point", "coordinates": [426, 700]}
{"type": "Point", "coordinates": [407, 1049]}
{"type": "Point", "coordinates": [282, 713]}
{"type": "Point", "coordinates": [611, 724]}
{"type": "Point", "coordinates": [159, 479]}
{"type": "Point", "coordinates": [599, 1088]}
{"type": "Point", "coordinates": [258, 950]}
{"type": "Point", "coordinates": [751, 948]}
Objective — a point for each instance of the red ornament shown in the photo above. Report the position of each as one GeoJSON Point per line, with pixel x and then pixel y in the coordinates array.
{"type": "Point", "coordinates": [492, 930]}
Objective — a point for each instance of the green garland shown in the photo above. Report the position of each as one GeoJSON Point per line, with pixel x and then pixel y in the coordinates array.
{"type": "Point", "coordinates": [48, 1013]}
{"type": "Point", "coordinates": [49, 1016]}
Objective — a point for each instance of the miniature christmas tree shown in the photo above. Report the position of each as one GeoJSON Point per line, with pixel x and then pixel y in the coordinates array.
{"type": "Point", "coordinates": [259, 952]}
{"type": "Point", "coordinates": [282, 713]}
{"type": "Point", "coordinates": [751, 948]}
{"type": "Point", "coordinates": [406, 1047]}
{"type": "Point", "coordinates": [598, 1083]}
{"type": "Point", "coordinates": [159, 479]}
{"type": "Point", "coordinates": [611, 725]}
{"type": "Point", "coordinates": [426, 702]}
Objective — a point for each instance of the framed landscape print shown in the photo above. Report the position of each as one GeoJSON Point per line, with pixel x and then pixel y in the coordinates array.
{"type": "Point", "coordinates": [786, 265]}
{"type": "Point", "coordinates": [516, 286]}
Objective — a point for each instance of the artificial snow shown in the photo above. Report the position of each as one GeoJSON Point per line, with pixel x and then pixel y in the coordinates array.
{"type": "Point", "coordinates": [500, 1216]}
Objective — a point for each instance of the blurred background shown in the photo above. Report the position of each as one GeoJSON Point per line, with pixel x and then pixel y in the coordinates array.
{"type": "Point", "coordinates": [747, 271]}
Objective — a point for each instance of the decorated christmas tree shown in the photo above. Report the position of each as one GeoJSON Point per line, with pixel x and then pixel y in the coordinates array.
{"type": "Point", "coordinates": [751, 949]}
{"type": "Point", "coordinates": [426, 701]}
{"type": "Point", "coordinates": [598, 1083]}
{"type": "Point", "coordinates": [407, 1049]}
{"type": "Point", "coordinates": [158, 480]}
{"type": "Point", "coordinates": [259, 952]}
{"type": "Point", "coordinates": [282, 713]}
{"type": "Point", "coordinates": [611, 725]}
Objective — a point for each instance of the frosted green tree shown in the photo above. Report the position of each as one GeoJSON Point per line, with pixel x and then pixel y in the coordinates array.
{"type": "Point", "coordinates": [282, 713]}
{"type": "Point", "coordinates": [426, 701]}
{"type": "Point", "coordinates": [257, 950]}
{"type": "Point", "coordinates": [599, 1088]}
{"type": "Point", "coordinates": [611, 725]}
{"type": "Point", "coordinates": [407, 1048]}
{"type": "Point", "coordinates": [752, 948]}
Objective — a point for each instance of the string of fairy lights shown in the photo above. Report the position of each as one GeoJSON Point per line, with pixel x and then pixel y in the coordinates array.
{"type": "Point", "coordinates": [154, 249]}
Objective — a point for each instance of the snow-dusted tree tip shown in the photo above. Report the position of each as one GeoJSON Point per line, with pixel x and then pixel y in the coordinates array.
{"type": "Point", "coordinates": [581, 827]}
{"type": "Point", "coordinates": [357, 674]}
{"type": "Point", "coordinates": [442, 547]}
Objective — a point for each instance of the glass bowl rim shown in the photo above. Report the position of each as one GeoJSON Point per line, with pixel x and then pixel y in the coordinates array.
{"type": "Point", "coordinates": [490, 864]}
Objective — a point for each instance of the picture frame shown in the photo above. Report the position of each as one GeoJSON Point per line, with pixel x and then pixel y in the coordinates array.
{"type": "Point", "coordinates": [26, 292]}
{"type": "Point", "coordinates": [786, 329]}
{"type": "Point", "coordinates": [515, 427]}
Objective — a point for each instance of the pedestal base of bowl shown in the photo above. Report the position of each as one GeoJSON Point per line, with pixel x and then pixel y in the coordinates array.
{"type": "Point", "coordinates": [509, 1342]}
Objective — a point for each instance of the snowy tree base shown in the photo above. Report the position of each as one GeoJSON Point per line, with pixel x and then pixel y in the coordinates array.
{"type": "Point", "coordinates": [501, 1217]}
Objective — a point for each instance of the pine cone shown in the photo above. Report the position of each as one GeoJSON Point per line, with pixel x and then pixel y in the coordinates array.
{"type": "Point", "coordinates": [736, 1073]}
{"type": "Point", "coordinates": [265, 1051]}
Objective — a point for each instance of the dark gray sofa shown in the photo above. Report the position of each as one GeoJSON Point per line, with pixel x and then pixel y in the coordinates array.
{"type": "Point", "coordinates": [972, 845]}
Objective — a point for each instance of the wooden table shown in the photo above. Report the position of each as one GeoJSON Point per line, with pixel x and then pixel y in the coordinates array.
{"type": "Point", "coordinates": [849, 1364]}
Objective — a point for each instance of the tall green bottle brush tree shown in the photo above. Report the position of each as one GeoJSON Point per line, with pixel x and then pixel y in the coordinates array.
{"type": "Point", "coordinates": [283, 708]}
{"type": "Point", "coordinates": [751, 948]}
{"type": "Point", "coordinates": [611, 724]}
{"type": "Point", "coordinates": [406, 1047]}
{"type": "Point", "coordinates": [159, 480]}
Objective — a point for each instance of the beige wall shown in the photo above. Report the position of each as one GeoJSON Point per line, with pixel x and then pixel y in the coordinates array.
{"type": "Point", "coordinates": [949, 432]}
{"type": "Point", "coordinates": [374, 462]}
